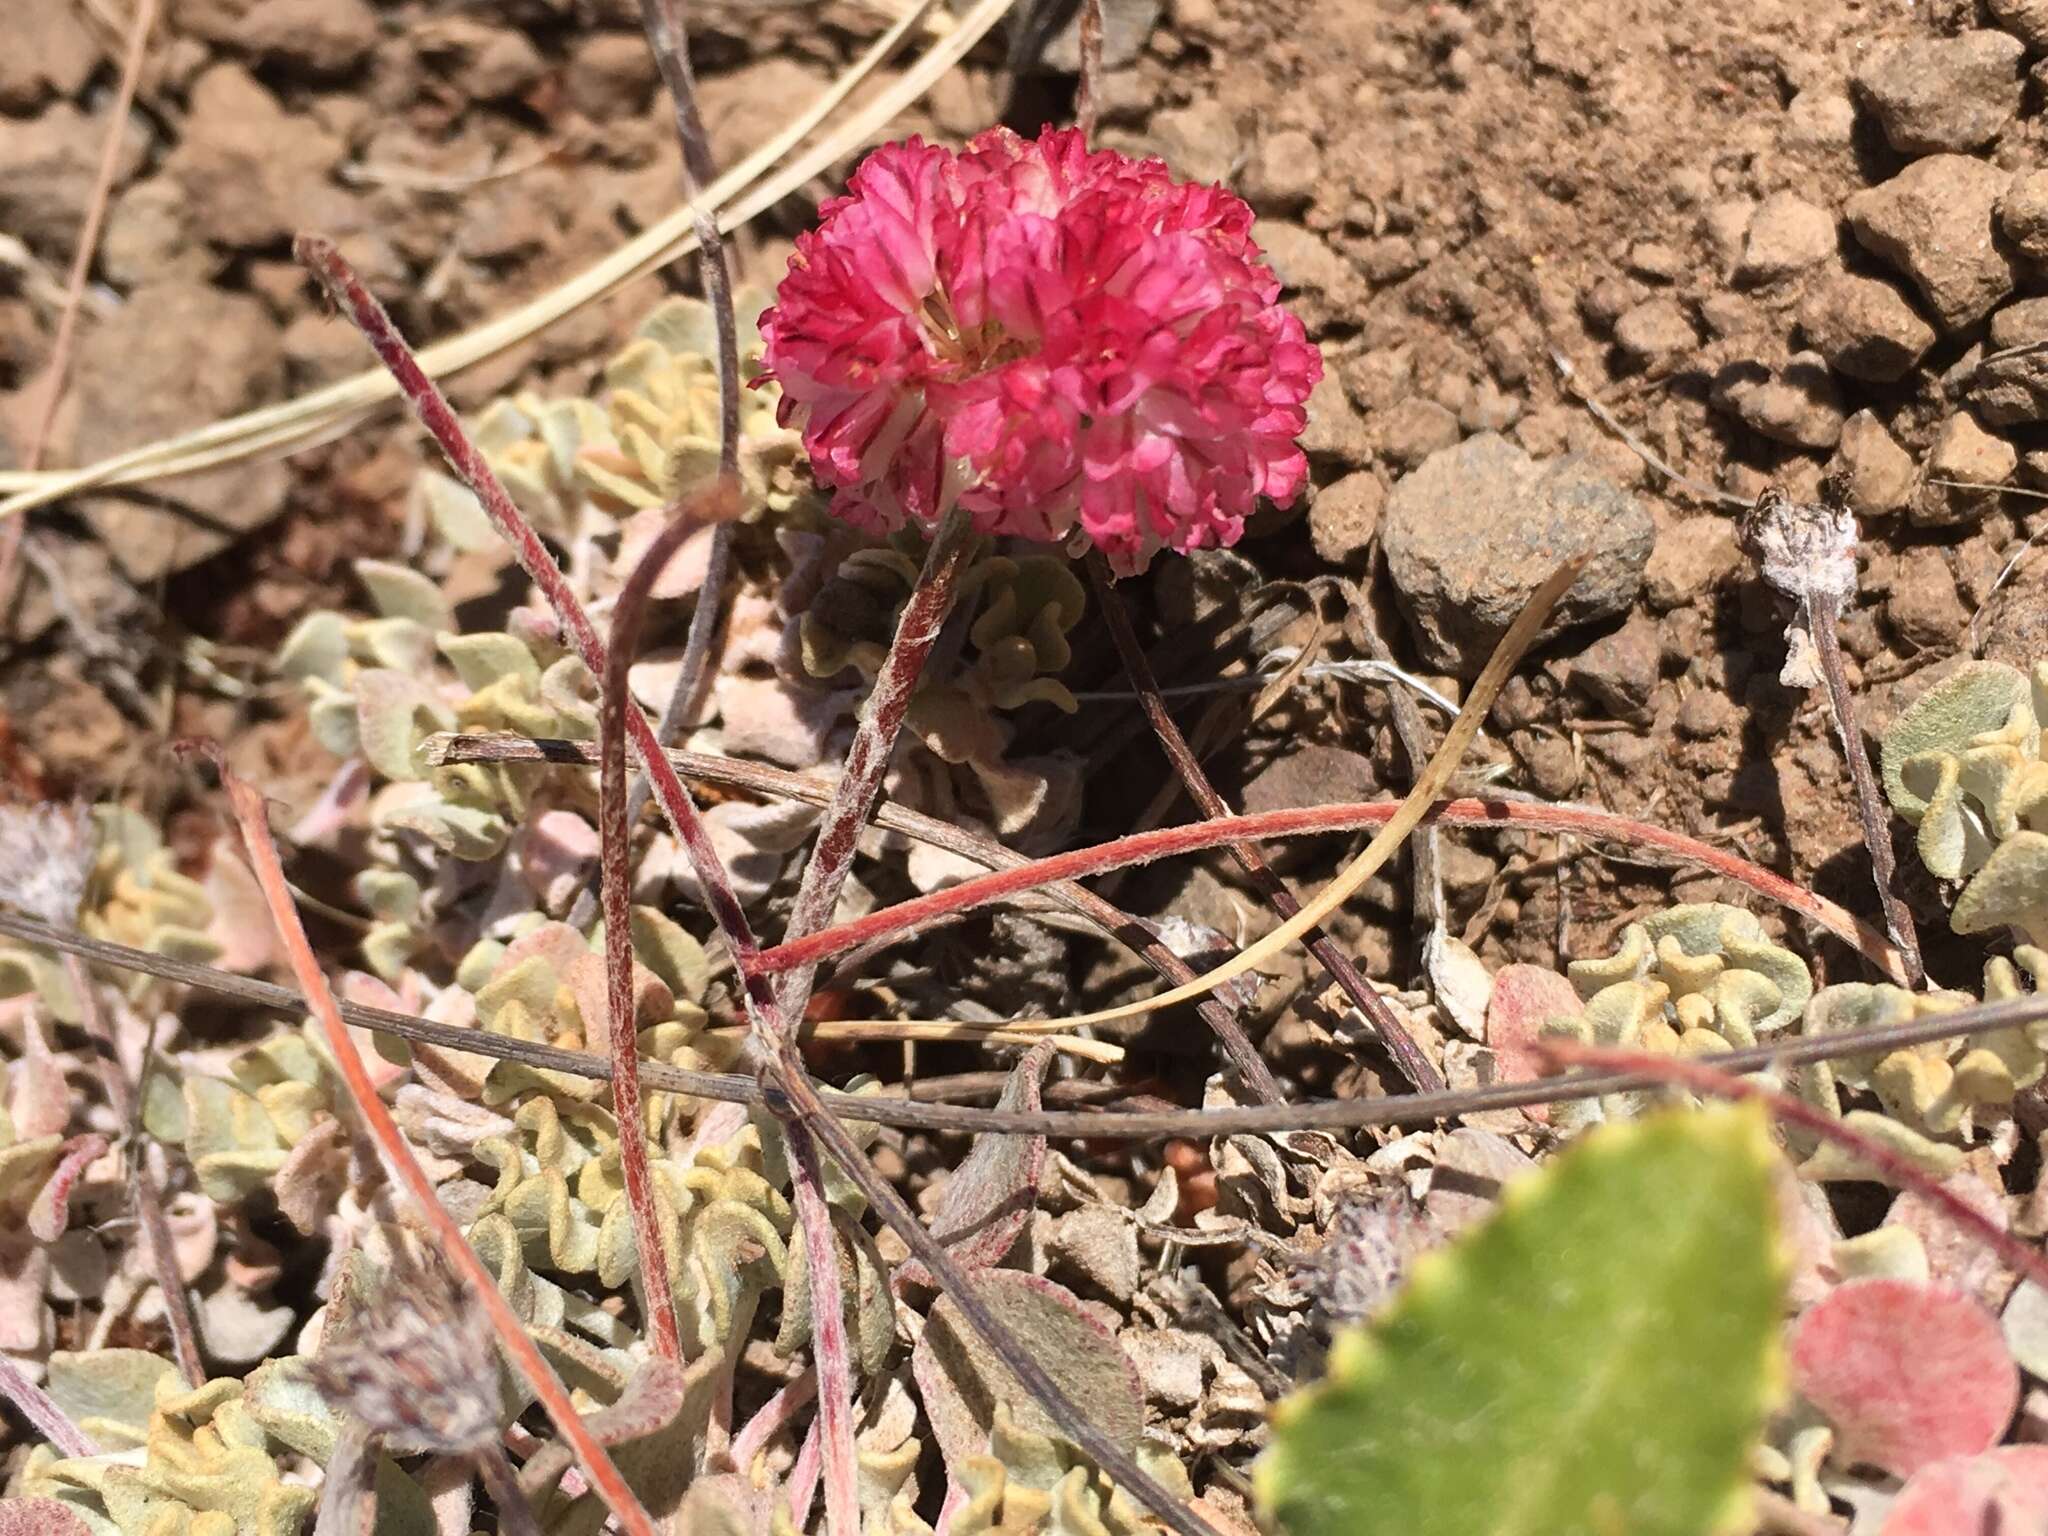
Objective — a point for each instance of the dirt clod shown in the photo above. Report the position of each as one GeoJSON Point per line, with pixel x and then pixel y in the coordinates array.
{"type": "Point", "coordinates": [1964, 453]}
{"type": "Point", "coordinates": [1864, 327]}
{"type": "Point", "coordinates": [1878, 471]}
{"type": "Point", "coordinates": [1934, 222]}
{"type": "Point", "coordinates": [1944, 94]}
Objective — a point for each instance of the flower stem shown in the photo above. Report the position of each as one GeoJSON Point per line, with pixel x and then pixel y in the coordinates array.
{"type": "Point", "coordinates": [1823, 613]}
{"type": "Point", "coordinates": [830, 1355]}
{"type": "Point", "coordinates": [42, 1412]}
{"type": "Point", "coordinates": [346, 290]}
{"type": "Point", "coordinates": [867, 760]}
{"type": "Point", "coordinates": [615, 858]}
{"type": "Point", "coordinates": [1399, 1044]}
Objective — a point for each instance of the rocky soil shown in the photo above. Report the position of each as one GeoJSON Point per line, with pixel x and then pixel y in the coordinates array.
{"type": "Point", "coordinates": [1777, 241]}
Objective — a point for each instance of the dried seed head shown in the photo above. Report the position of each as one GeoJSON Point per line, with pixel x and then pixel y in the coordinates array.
{"type": "Point", "coordinates": [1372, 1243]}
{"type": "Point", "coordinates": [46, 854]}
{"type": "Point", "coordinates": [1804, 549]}
{"type": "Point", "coordinates": [417, 1365]}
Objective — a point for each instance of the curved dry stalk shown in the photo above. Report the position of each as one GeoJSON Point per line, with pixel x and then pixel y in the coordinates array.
{"type": "Point", "coordinates": [1505, 815]}
{"type": "Point", "coordinates": [139, 28]}
{"type": "Point", "coordinates": [1399, 1044]}
{"type": "Point", "coordinates": [1415, 1109]}
{"type": "Point", "coordinates": [252, 818]}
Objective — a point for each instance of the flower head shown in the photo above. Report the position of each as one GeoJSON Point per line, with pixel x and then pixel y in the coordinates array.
{"type": "Point", "coordinates": [1052, 336]}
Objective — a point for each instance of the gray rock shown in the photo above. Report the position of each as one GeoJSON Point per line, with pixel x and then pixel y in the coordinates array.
{"type": "Point", "coordinates": [49, 49]}
{"type": "Point", "coordinates": [1798, 405]}
{"type": "Point", "coordinates": [2014, 625]}
{"type": "Point", "coordinates": [1199, 141]}
{"type": "Point", "coordinates": [1335, 429]}
{"type": "Point", "coordinates": [1923, 607]}
{"type": "Point", "coordinates": [47, 164]}
{"type": "Point", "coordinates": [1694, 555]}
{"type": "Point", "coordinates": [2026, 20]}
{"type": "Point", "coordinates": [1865, 328]}
{"type": "Point", "coordinates": [2023, 213]}
{"type": "Point", "coordinates": [1934, 222]}
{"type": "Point", "coordinates": [2021, 323]}
{"type": "Point", "coordinates": [1786, 234]}
{"type": "Point", "coordinates": [1936, 95]}
{"type": "Point", "coordinates": [253, 173]}
{"type": "Point", "coordinates": [1345, 518]}
{"type": "Point", "coordinates": [1309, 773]}
{"type": "Point", "coordinates": [1879, 472]}
{"type": "Point", "coordinates": [1657, 334]}
{"type": "Point", "coordinates": [1963, 452]}
{"type": "Point", "coordinates": [318, 37]}
{"type": "Point", "coordinates": [1477, 528]}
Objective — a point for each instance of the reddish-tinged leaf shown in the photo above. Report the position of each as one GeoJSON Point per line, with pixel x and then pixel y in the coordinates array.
{"type": "Point", "coordinates": [1524, 998]}
{"type": "Point", "coordinates": [40, 1517]}
{"type": "Point", "coordinates": [51, 1212]}
{"type": "Point", "coordinates": [1907, 1373]}
{"type": "Point", "coordinates": [988, 1199]}
{"type": "Point", "coordinates": [2005, 1490]}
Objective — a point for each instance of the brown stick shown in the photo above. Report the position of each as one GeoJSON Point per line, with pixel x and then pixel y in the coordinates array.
{"type": "Point", "coordinates": [1088, 99]}
{"type": "Point", "coordinates": [1397, 1041]}
{"type": "Point", "coordinates": [1142, 1124]}
{"type": "Point", "coordinates": [1823, 614]}
{"type": "Point", "coordinates": [143, 1192]}
{"type": "Point", "coordinates": [860, 779]}
{"type": "Point", "coordinates": [1701, 1078]}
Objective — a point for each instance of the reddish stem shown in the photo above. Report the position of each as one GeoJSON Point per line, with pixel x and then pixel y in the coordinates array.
{"type": "Point", "coordinates": [860, 779]}
{"type": "Point", "coordinates": [1897, 1170]}
{"type": "Point", "coordinates": [346, 289]}
{"type": "Point", "coordinates": [42, 1412]}
{"type": "Point", "coordinates": [1144, 847]}
{"type": "Point", "coordinates": [251, 817]}
{"type": "Point", "coordinates": [615, 838]}
{"type": "Point", "coordinates": [830, 1355]}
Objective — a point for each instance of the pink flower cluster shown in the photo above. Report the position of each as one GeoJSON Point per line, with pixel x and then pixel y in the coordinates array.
{"type": "Point", "coordinates": [1049, 336]}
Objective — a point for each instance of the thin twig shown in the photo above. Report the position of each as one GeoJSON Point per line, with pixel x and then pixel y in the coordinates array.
{"type": "Point", "coordinates": [914, 1113]}
{"type": "Point", "coordinates": [867, 759]}
{"type": "Point", "coordinates": [139, 28]}
{"type": "Point", "coordinates": [1424, 861]}
{"type": "Point", "coordinates": [251, 815]}
{"type": "Point", "coordinates": [142, 1186]}
{"type": "Point", "coordinates": [831, 1357]}
{"type": "Point", "coordinates": [1897, 1170]}
{"type": "Point", "coordinates": [1164, 842]}
{"type": "Point", "coordinates": [346, 289]}
{"type": "Point", "coordinates": [1257, 1075]}
{"type": "Point", "coordinates": [1642, 449]}
{"type": "Point", "coordinates": [515, 1514]}
{"type": "Point", "coordinates": [615, 859]}
{"type": "Point", "coordinates": [42, 1412]}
